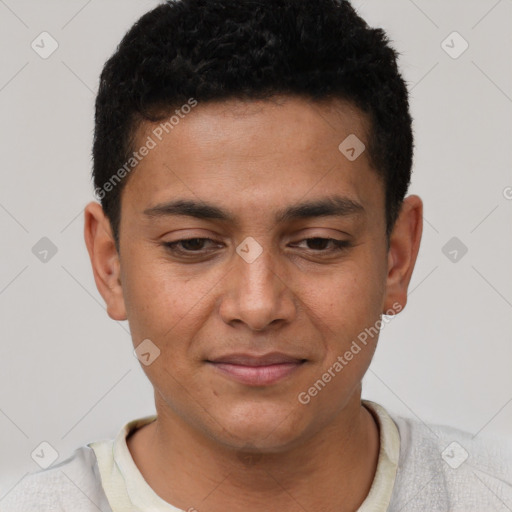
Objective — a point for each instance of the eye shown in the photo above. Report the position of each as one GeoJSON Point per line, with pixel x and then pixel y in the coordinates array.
{"type": "Point", "coordinates": [320, 243]}
{"type": "Point", "coordinates": [188, 245]}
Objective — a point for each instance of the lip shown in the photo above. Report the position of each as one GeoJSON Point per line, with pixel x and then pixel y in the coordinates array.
{"type": "Point", "coordinates": [257, 370]}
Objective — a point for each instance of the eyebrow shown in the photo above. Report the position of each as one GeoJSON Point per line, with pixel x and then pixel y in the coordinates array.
{"type": "Point", "coordinates": [334, 206]}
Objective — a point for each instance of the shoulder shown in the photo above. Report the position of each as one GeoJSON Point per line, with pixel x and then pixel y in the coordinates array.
{"type": "Point", "coordinates": [443, 468]}
{"type": "Point", "coordinates": [72, 485]}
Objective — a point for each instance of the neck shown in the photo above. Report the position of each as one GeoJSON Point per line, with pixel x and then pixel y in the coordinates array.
{"type": "Point", "coordinates": [332, 470]}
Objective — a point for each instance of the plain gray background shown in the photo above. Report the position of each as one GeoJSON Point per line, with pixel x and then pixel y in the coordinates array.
{"type": "Point", "coordinates": [68, 375]}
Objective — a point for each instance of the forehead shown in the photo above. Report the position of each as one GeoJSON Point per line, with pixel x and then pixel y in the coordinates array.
{"type": "Point", "coordinates": [253, 155]}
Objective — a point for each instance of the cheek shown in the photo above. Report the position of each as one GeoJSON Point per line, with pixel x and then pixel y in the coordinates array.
{"type": "Point", "coordinates": [151, 297]}
{"type": "Point", "coordinates": [349, 304]}
{"type": "Point", "coordinates": [163, 300]}
{"type": "Point", "coordinates": [346, 297]}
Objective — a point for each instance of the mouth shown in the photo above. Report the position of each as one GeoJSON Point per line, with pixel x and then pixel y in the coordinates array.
{"type": "Point", "coordinates": [257, 370]}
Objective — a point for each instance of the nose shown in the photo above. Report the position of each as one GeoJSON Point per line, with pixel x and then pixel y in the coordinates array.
{"type": "Point", "coordinates": [257, 293]}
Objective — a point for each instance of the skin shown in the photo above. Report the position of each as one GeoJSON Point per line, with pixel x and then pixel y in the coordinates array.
{"type": "Point", "coordinates": [234, 445]}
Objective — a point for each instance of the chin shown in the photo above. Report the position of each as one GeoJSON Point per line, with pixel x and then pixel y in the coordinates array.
{"type": "Point", "coordinates": [255, 427]}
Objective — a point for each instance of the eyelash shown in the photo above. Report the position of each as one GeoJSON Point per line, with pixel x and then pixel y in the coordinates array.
{"type": "Point", "coordinates": [339, 245]}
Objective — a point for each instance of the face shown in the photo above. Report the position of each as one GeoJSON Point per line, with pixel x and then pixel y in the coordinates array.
{"type": "Point", "coordinates": [253, 255]}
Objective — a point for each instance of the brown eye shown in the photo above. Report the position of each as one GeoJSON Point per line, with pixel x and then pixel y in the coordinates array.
{"type": "Point", "coordinates": [187, 245]}
{"type": "Point", "coordinates": [318, 244]}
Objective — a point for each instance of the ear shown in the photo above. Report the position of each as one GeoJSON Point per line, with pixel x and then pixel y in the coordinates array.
{"type": "Point", "coordinates": [104, 259]}
{"type": "Point", "coordinates": [404, 245]}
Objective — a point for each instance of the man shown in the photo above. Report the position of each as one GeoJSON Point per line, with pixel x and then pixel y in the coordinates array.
{"type": "Point", "coordinates": [252, 160]}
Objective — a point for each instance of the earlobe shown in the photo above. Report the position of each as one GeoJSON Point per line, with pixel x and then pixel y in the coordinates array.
{"type": "Point", "coordinates": [104, 259]}
{"type": "Point", "coordinates": [403, 250]}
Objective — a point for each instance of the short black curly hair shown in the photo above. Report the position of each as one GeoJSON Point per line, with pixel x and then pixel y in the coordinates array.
{"type": "Point", "coordinates": [214, 50]}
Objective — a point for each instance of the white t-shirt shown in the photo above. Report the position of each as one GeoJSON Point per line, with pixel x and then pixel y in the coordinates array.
{"type": "Point", "coordinates": [420, 468]}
